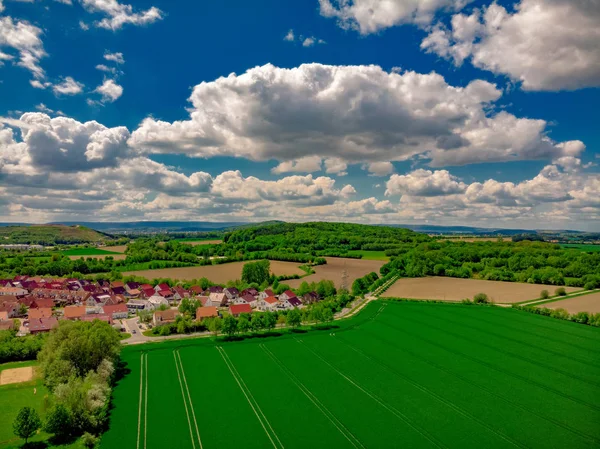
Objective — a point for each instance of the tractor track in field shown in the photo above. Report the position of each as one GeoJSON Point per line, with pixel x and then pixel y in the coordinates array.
{"type": "Point", "coordinates": [315, 400]}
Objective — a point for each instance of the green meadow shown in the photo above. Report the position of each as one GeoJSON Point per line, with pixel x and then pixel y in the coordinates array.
{"type": "Point", "coordinates": [399, 374]}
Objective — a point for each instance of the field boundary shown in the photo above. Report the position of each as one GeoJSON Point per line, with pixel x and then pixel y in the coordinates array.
{"type": "Point", "coordinates": [143, 399]}
{"type": "Point", "coordinates": [539, 302]}
{"type": "Point", "coordinates": [248, 395]}
{"type": "Point", "coordinates": [189, 398]}
{"type": "Point", "coordinates": [314, 399]}
{"type": "Point", "coordinates": [390, 408]}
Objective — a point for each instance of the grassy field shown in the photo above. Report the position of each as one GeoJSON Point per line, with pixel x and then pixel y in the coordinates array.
{"type": "Point", "coordinates": [370, 255]}
{"type": "Point", "coordinates": [581, 247]}
{"type": "Point", "coordinates": [196, 241]}
{"type": "Point", "coordinates": [454, 289]}
{"type": "Point", "coordinates": [217, 273]}
{"type": "Point", "coordinates": [87, 252]}
{"type": "Point", "coordinates": [412, 375]}
{"type": "Point", "coordinates": [334, 269]}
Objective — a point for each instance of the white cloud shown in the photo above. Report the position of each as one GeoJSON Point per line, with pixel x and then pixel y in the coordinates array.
{"type": "Point", "coordinates": [68, 87]}
{"type": "Point", "coordinates": [84, 26]}
{"type": "Point", "coordinates": [380, 168]}
{"type": "Point", "coordinates": [357, 114]}
{"type": "Point", "coordinates": [43, 108]}
{"type": "Point", "coordinates": [308, 42]}
{"type": "Point", "coordinates": [335, 165]}
{"type": "Point", "coordinates": [120, 14]}
{"type": "Point", "coordinates": [290, 37]}
{"type": "Point", "coordinates": [109, 90]}
{"type": "Point", "coordinates": [104, 68]}
{"type": "Point", "coordinates": [544, 44]}
{"type": "Point", "coordinates": [25, 39]}
{"type": "Point", "coordinates": [114, 57]}
{"type": "Point", "coordinates": [307, 164]}
{"type": "Point", "coordinates": [424, 183]}
{"type": "Point", "coordinates": [39, 85]}
{"type": "Point", "coordinates": [371, 16]}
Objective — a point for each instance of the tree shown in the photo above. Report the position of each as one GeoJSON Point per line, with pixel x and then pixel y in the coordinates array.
{"type": "Point", "coordinates": [270, 320]}
{"type": "Point", "coordinates": [230, 325]}
{"type": "Point", "coordinates": [327, 315]}
{"type": "Point", "coordinates": [59, 421]}
{"type": "Point", "coordinates": [293, 318]}
{"type": "Point", "coordinates": [560, 291]}
{"type": "Point", "coordinates": [258, 322]}
{"type": "Point", "coordinates": [243, 323]}
{"type": "Point", "coordinates": [544, 294]}
{"type": "Point", "coordinates": [89, 440]}
{"type": "Point", "coordinates": [215, 325]}
{"type": "Point", "coordinates": [26, 423]}
{"type": "Point", "coordinates": [189, 306]}
{"type": "Point", "coordinates": [257, 272]}
{"type": "Point", "coordinates": [481, 298]}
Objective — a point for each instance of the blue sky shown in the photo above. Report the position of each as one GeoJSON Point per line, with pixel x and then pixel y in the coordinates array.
{"type": "Point", "coordinates": [471, 112]}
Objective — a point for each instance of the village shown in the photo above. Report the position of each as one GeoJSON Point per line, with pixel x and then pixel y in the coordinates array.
{"type": "Point", "coordinates": [33, 305]}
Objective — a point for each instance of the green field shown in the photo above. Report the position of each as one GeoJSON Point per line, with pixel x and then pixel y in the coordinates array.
{"type": "Point", "coordinates": [412, 375]}
{"type": "Point", "coordinates": [87, 252]}
{"type": "Point", "coordinates": [581, 247]}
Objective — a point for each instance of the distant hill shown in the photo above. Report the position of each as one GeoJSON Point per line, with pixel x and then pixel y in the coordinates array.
{"type": "Point", "coordinates": [50, 234]}
{"type": "Point", "coordinates": [164, 226]}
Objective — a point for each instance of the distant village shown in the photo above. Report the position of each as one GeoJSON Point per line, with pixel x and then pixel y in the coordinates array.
{"type": "Point", "coordinates": [38, 304]}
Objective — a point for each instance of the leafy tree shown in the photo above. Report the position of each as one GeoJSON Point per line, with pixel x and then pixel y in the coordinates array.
{"type": "Point", "coordinates": [89, 441]}
{"type": "Point", "coordinates": [270, 320]}
{"type": "Point", "coordinates": [244, 324]}
{"type": "Point", "coordinates": [481, 298]}
{"type": "Point", "coordinates": [230, 325]}
{"type": "Point", "coordinates": [26, 423]}
{"type": "Point", "coordinates": [59, 421]}
{"type": "Point", "coordinates": [293, 318]}
{"type": "Point", "coordinates": [258, 322]}
{"type": "Point", "coordinates": [544, 294]}
{"type": "Point", "coordinates": [215, 325]}
{"type": "Point", "coordinates": [256, 272]}
{"type": "Point", "coordinates": [327, 315]}
{"type": "Point", "coordinates": [560, 291]}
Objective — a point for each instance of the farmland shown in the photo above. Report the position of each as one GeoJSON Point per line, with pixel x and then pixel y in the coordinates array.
{"type": "Point", "coordinates": [100, 256]}
{"type": "Point", "coordinates": [581, 247]}
{"type": "Point", "coordinates": [585, 303]}
{"type": "Point", "coordinates": [453, 289]}
{"type": "Point", "coordinates": [334, 268]}
{"type": "Point", "coordinates": [87, 252]}
{"type": "Point", "coordinates": [115, 249]}
{"type": "Point", "coordinates": [216, 273]}
{"type": "Point", "coordinates": [195, 242]}
{"type": "Point", "coordinates": [398, 374]}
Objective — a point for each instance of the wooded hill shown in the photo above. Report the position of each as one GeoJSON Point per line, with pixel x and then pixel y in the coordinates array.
{"type": "Point", "coordinates": [50, 235]}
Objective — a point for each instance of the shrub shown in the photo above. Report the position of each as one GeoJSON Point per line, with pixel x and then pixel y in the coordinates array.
{"type": "Point", "coordinates": [590, 286]}
{"type": "Point", "coordinates": [481, 298]}
{"type": "Point", "coordinates": [560, 291]}
{"type": "Point", "coordinates": [467, 302]}
{"type": "Point", "coordinates": [544, 294]}
{"type": "Point", "coordinates": [89, 441]}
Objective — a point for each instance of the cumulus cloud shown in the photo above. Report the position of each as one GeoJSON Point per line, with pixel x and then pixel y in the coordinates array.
{"type": "Point", "coordinates": [356, 114]}
{"type": "Point", "coordinates": [544, 44]}
{"type": "Point", "coordinates": [290, 36]}
{"type": "Point", "coordinates": [119, 14]}
{"type": "Point", "coordinates": [307, 164]}
{"type": "Point", "coordinates": [371, 16]}
{"type": "Point", "coordinates": [110, 91]}
{"type": "Point", "coordinates": [68, 87]}
{"type": "Point", "coordinates": [105, 68]}
{"type": "Point", "coordinates": [24, 39]}
{"type": "Point", "coordinates": [336, 165]}
{"type": "Point", "coordinates": [114, 57]}
{"type": "Point", "coordinates": [380, 168]}
{"type": "Point", "coordinates": [424, 183]}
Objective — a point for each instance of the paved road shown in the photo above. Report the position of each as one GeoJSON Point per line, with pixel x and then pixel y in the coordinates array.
{"type": "Point", "coordinates": [130, 325]}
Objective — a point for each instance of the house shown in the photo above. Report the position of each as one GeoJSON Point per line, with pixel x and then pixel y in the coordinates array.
{"type": "Point", "coordinates": [147, 292]}
{"type": "Point", "coordinates": [196, 290]}
{"type": "Point", "coordinates": [206, 312]}
{"type": "Point", "coordinates": [291, 303]}
{"type": "Point", "coordinates": [217, 300]}
{"type": "Point", "coordinates": [237, 309]}
{"type": "Point", "coordinates": [11, 308]}
{"type": "Point", "coordinates": [168, 295]}
{"type": "Point", "coordinates": [247, 299]}
{"type": "Point", "coordinates": [97, 316]}
{"type": "Point", "coordinates": [181, 292]}
{"type": "Point", "coordinates": [4, 316]}
{"type": "Point", "coordinates": [6, 325]}
{"type": "Point", "coordinates": [42, 303]}
{"type": "Point", "coordinates": [116, 311]}
{"type": "Point", "coordinates": [28, 301]}
{"type": "Point", "coordinates": [203, 300]}
{"type": "Point", "coordinates": [270, 303]}
{"type": "Point", "coordinates": [157, 300]}
{"type": "Point", "coordinates": [266, 294]}
{"type": "Point", "coordinates": [164, 316]}
{"type": "Point", "coordinates": [132, 286]}
{"type": "Point", "coordinates": [135, 305]}
{"type": "Point", "coordinates": [133, 293]}
{"type": "Point", "coordinates": [231, 293]}
{"type": "Point", "coordinates": [39, 313]}
{"type": "Point", "coordinates": [74, 312]}
{"type": "Point", "coordinates": [119, 291]}
{"type": "Point", "coordinates": [117, 284]}
{"type": "Point", "coordinates": [13, 291]}
{"type": "Point", "coordinates": [42, 325]}
{"type": "Point", "coordinates": [160, 287]}
{"type": "Point", "coordinates": [287, 295]}
{"type": "Point", "coordinates": [250, 291]}
{"type": "Point", "coordinates": [215, 289]}
{"type": "Point", "coordinates": [310, 298]}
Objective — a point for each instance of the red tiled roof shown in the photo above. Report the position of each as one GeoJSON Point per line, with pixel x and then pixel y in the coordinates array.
{"type": "Point", "coordinates": [236, 309]}
{"type": "Point", "coordinates": [206, 312]}
{"type": "Point", "coordinates": [42, 324]}
{"type": "Point", "coordinates": [115, 308]}
{"type": "Point", "coordinates": [42, 312]}
{"type": "Point", "coordinates": [271, 300]}
{"type": "Point", "coordinates": [74, 311]}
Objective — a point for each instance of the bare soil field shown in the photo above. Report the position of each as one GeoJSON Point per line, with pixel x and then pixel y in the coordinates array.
{"type": "Point", "coordinates": [115, 249]}
{"type": "Point", "coordinates": [16, 375]}
{"type": "Point", "coordinates": [101, 256]}
{"type": "Point", "coordinates": [216, 273]}
{"type": "Point", "coordinates": [454, 289]}
{"type": "Point", "coordinates": [332, 271]}
{"type": "Point", "coordinates": [586, 303]}
{"type": "Point", "coordinates": [201, 242]}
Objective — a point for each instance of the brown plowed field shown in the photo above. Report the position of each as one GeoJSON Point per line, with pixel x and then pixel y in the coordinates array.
{"type": "Point", "coordinates": [332, 271]}
{"type": "Point", "coordinates": [454, 289]}
{"type": "Point", "coordinates": [587, 303]}
{"type": "Point", "coordinates": [216, 273]}
{"type": "Point", "coordinates": [115, 249]}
